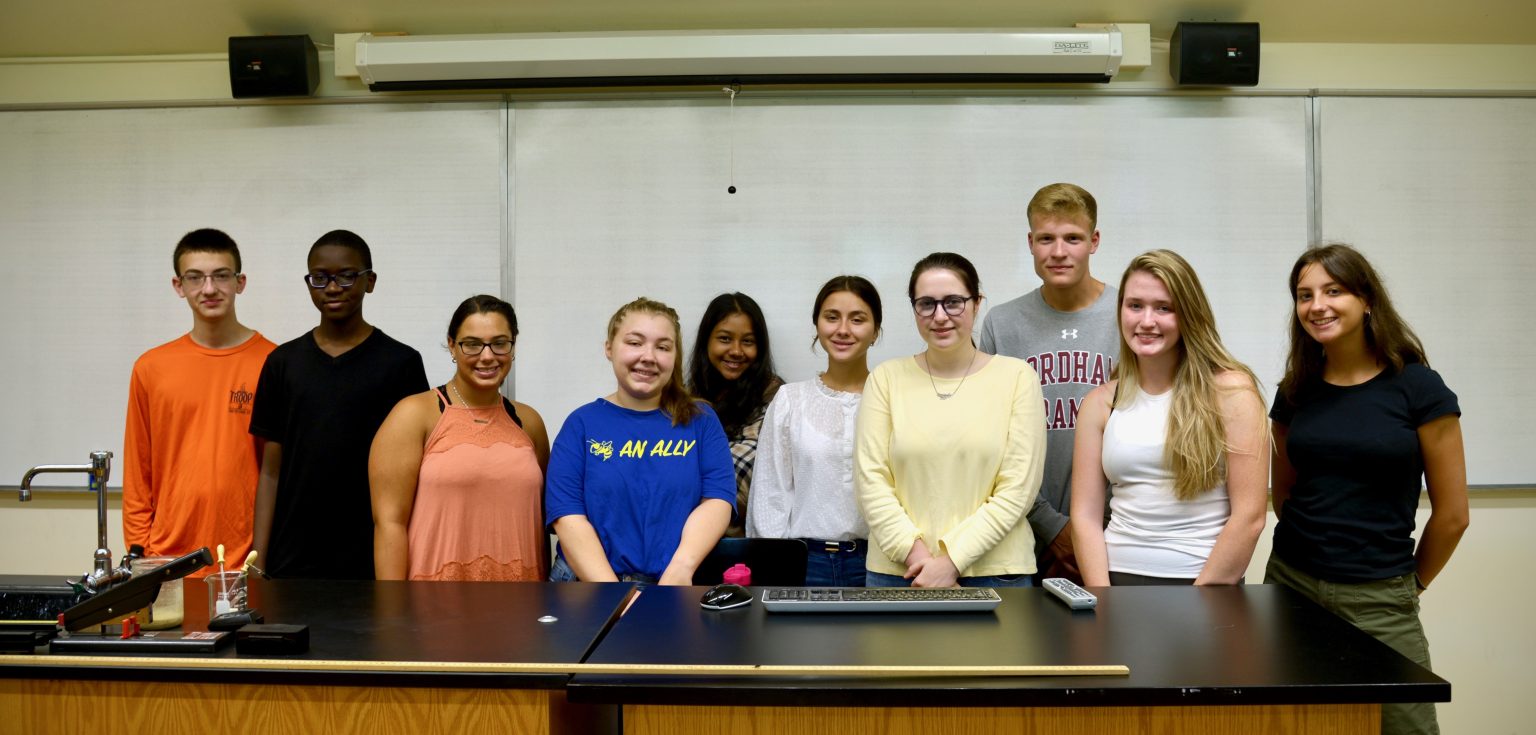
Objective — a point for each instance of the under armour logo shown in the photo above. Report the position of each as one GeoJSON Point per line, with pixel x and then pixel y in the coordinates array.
{"type": "Point", "coordinates": [1069, 334]}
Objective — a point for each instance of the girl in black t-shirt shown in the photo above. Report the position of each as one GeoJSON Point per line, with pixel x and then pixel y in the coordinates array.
{"type": "Point", "coordinates": [1359, 420]}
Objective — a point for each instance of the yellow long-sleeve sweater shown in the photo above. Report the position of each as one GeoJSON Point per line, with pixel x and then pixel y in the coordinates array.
{"type": "Point", "coordinates": [959, 473]}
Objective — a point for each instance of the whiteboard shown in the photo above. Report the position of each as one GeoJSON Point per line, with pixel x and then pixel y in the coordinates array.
{"type": "Point", "coordinates": [92, 203]}
{"type": "Point", "coordinates": [619, 199]}
{"type": "Point", "coordinates": [1440, 194]}
{"type": "Point", "coordinates": [572, 208]}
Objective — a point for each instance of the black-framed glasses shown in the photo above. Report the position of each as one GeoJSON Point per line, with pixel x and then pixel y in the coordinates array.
{"type": "Point", "coordinates": [345, 279]}
{"type": "Point", "coordinates": [473, 347]}
{"type": "Point", "coordinates": [194, 279]}
{"type": "Point", "coordinates": [953, 305]}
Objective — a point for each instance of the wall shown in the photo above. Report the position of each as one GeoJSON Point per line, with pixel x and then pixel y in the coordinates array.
{"type": "Point", "coordinates": [1476, 613]}
{"type": "Point", "coordinates": [1286, 67]}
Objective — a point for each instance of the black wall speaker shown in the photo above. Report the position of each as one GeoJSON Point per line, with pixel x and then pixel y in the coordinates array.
{"type": "Point", "coordinates": [272, 66]}
{"type": "Point", "coordinates": [1225, 54]}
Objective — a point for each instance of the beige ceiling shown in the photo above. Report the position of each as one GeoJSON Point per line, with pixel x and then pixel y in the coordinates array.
{"type": "Point", "coordinates": [134, 27]}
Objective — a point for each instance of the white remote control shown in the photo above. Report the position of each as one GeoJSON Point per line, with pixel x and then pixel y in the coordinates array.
{"type": "Point", "coordinates": [1076, 597]}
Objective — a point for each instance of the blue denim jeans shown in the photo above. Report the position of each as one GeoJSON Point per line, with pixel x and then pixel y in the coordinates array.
{"type": "Point", "coordinates": [561, 572]}
{"type": "Point", "coordinates": [876, 579]}
{"type": "Point", "coordinates": [841, 568]}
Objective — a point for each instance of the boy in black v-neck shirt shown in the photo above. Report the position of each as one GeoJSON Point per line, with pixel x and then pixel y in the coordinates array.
{"type": "Point", "coordinates": [320, 400]}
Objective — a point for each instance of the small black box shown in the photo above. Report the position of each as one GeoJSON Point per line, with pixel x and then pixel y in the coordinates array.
{"type": "Point", "coordinates": [1225, 54]}
{"type": "Point", "coordinates": [273, 66]}
{"type": "Point", "coordinates": [272, 638]}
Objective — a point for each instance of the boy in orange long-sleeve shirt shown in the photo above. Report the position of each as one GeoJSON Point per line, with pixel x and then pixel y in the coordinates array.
{"type": "Point", "coordinates": [190, 464]}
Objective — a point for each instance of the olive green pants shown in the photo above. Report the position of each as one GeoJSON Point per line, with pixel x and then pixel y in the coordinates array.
{"type": "Point", "coordinates": [1388, 610]}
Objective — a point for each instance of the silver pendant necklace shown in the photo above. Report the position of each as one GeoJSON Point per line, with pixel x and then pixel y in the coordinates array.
{"type": "Point", "coordinates": [457, 394]}
{"type": "Point", "coordinates": [951, 394]}
{"type": "Point", "coordinates": [455, 388]}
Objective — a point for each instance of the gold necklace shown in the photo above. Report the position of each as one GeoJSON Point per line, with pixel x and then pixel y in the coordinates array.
{"type": "Point", "coordinates": [967, 374]}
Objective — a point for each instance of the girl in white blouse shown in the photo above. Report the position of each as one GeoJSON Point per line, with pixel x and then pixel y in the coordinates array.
{"type": "Point", "coordinates": [802, 486]}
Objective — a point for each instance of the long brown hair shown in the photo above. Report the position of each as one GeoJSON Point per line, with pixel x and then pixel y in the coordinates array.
{"type": "Point", "coordinates": [734, 401]}
{"type": "Point", "coordinates": [1387, 336]}
{"type": "Point", "coordinates": [675, 399]}
{"type": "Point", "coordinates": [1195, 447]}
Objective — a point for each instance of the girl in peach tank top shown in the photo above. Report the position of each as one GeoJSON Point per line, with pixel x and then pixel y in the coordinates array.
{"type": "Point", "coordinates": [477, 514]}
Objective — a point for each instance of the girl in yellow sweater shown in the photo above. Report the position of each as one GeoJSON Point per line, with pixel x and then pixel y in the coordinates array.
{"type": "Point", "coordinates": [950, 448]}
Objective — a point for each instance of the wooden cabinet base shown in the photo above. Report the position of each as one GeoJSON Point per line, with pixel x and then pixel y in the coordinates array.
{"type": "Point", "coordinates": [44, 707]}
{"type": "Point", "coordinates": [1288, 719]}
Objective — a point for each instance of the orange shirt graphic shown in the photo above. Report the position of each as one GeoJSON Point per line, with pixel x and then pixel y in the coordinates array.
{"type": "Point", "coordinates": [189, 460]}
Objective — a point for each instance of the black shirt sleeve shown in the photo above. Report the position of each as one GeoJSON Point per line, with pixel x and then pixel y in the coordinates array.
{"type": "Point", "coordinates": [1282, 410]}
{"type": "Point", "coordinates": [1428, 396]}
{"type": "Point", "coordinates": [269, 411]}
{"type": "Point", "coordinates": [413, 375]}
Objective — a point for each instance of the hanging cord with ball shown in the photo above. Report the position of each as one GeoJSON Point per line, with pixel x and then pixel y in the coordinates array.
{"type": "Point", "coordinates": [732, 89]}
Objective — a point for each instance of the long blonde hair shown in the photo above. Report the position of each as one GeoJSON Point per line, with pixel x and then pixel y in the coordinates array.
{"type": "Point", "coordinates": [675, 399]}
{"type": "Point", "coordinates": [1196, 445]}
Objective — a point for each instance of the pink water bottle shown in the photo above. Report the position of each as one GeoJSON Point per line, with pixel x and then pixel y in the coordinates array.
{"type": "Point", "coordinates": [739, 574]}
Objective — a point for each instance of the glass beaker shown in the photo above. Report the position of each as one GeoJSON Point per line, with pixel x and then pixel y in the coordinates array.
{"type": "Point", "coordinates": [166, 612]}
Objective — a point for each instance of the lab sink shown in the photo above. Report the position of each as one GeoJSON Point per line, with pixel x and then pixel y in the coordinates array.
{"type": "Point", "coordinates": [34, 598]}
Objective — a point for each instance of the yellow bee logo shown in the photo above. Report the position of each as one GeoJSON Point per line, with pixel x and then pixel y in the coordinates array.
{"type": "Point", "coordinates": [601, 449]}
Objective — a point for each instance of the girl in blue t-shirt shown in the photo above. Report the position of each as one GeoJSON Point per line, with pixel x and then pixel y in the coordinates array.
{"type": "Point", "coordinates": [1359, 421]}
{"type": "Point", "coordinates": [640, 485]}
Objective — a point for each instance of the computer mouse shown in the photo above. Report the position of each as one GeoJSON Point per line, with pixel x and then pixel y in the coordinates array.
{"type": "Point", "coordinates": [725, 597]}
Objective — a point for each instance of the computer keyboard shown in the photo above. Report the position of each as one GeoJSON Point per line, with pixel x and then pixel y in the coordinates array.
{"type": "Point", "coordinates": [879, 599]}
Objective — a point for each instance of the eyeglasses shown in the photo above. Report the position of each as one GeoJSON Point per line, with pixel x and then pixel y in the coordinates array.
{"type": "Point", "coordinates": [953, 305]}
{"type": "Point", "coordinates": [194, 279]}
{"type": "Point", "coordinates": [344, 280]}
{"type": "Point", "coordinates": [473, 347]}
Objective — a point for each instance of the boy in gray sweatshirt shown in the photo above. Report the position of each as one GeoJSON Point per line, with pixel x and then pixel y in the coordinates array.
{"type": "Point", "coordinates": [1067, 330]}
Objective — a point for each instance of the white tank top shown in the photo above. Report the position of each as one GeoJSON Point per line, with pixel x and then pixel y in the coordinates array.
{"type": "Point", "coordinates": [1151, 532]}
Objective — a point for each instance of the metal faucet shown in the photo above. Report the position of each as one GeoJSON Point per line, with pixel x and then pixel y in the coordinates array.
{"type": "Point", "coordinates": [100, 468]}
